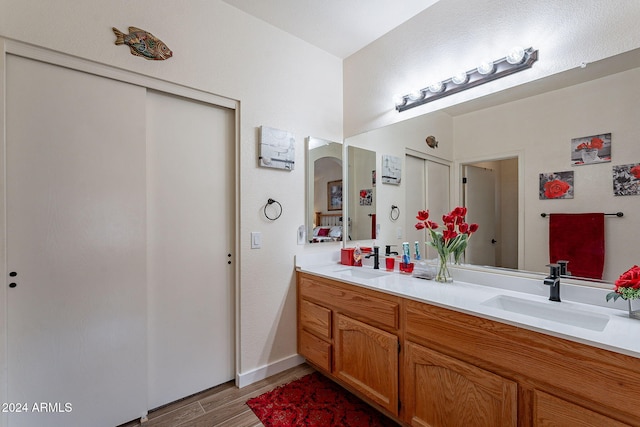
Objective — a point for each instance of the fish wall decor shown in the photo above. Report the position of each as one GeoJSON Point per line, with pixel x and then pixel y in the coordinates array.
{"type": "Point", "coordinates": [143, 43]}
{"type": "Point", "coordinates": [431, 141]}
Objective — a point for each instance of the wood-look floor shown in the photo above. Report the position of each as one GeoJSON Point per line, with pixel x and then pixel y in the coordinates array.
{"type": "Point", "coordinates": [224, 405]}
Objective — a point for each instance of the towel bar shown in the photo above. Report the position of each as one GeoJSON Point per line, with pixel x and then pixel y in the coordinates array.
{"type": "Point", "coordinates": [618, 214]}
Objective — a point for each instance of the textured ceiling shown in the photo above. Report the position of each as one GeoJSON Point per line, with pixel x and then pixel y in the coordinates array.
{"type": "Point", "coordinates": [340, 27]}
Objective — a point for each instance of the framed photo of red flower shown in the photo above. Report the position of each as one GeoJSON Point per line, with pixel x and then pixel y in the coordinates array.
{"type": "Point", "coordinates": [588, 150]}
{"type": "Point", "coordinates": [556, 185]}
{"type": "Point", "coordinates": [366, 197]}
{"type": "Point", "coordinates": [626, 180]}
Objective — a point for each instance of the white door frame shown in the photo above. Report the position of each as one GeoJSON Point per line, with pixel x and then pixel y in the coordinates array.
{"type": "Point", "coordinates": [13, 47]}
{"type": "Point", "coordinates": [458, 171]}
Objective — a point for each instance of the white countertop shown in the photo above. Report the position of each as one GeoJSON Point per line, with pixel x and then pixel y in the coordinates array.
{"type": "Point", "coordinates": [470, 289]}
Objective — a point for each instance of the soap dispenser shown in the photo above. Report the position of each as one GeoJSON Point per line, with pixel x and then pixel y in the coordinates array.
{"type": "Point", "coordinates": [357, 257]}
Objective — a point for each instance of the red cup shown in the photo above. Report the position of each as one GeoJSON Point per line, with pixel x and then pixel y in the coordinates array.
{"type": "Point", "coordinates": [391, 263]}
{"type": "Point", "coordinates": [406, 268]}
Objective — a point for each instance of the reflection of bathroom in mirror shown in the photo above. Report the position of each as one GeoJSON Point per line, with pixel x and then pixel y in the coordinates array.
{"type": "Point", "coordinates": [324, 191]}
{"type": "Point", "coordinates": [362, 193]}
{"type": "Point", "coordinates": [534, 123]}
{"type": "Point", "coordinates": [490, 193]}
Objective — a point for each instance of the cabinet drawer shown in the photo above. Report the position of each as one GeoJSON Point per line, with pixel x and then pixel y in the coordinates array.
{"type": "Point", "coordinates": [361, 305]}
{"type": "Point", "coordinates": [315, 319]}
{"type": "Point", "coordinates": [552, 411]}
{"type": "Point", "coordinates": [315, 350]}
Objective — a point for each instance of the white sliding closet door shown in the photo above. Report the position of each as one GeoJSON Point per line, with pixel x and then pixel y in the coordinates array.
{"type": "Point", "coordinates": [190, 228]}
{"type": "Point", "coordinates": [427, 187]}
{"type": "Point", "coordinates": [76, 243]}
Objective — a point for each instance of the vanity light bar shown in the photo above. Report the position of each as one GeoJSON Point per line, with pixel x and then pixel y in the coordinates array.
{"type": "Point", "coordinates": [484, 73]}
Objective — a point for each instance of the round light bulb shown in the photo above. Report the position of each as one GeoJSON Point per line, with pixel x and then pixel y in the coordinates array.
{"type": "Point", "coordinates": [515, 55]}
{"type": "Point", "coordinates": [460, 78]}
{"type": "Point", "coordinates": [399, 100]}
{"type": "Point", "coordinates": [436, 87]}
{"type": "Point", "coordinates": [416, 95]}
{"type": "Point", "coordinates": [486, 67]}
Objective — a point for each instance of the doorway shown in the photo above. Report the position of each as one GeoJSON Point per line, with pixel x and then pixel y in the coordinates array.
{"type": "Point", "coordinates": [490, 191]}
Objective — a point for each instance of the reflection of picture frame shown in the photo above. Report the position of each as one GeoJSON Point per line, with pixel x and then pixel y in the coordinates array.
{"type": "Point", "coordinates": [334, 195]}
{"type": "Point", "coordinates": [556, 185]}
{"type": "Point", "coordinates": [366, 197]}
{"type": "Point", "coordinates": [391, 169]}
{"type": "Point", "coordinates": [626, 180]}
{"type": "Point", "coordinates": [588, 150]}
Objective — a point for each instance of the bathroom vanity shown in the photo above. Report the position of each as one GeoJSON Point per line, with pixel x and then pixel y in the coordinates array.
{"type": "Point", "coordinates": [464, 354]}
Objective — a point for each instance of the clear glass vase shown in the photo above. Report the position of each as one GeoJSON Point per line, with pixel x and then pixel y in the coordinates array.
{"type": "Point", "coordinates": [634, 308]}
{"type": "Point", "coordinates": [443, 276]}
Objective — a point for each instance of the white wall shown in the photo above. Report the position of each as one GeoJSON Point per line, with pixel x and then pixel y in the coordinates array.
{"type": "Point", "coordinates": [454, 34]}
{"type": "Point", "coordinates": [280, 81]}
{"type": "Point", "coordinates": [541, 128]}
{"type": "Point", "coordinates": [394, 141]}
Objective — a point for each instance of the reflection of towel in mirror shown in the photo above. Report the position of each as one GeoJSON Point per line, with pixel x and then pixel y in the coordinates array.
{"type": "Point", "coordinates": [579, 239]}
{"type": "Point", "coordinates": [373, 226]}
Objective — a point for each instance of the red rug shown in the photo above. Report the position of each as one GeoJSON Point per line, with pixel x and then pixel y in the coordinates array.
{"type": "Point", "coordinates": [314, 400]}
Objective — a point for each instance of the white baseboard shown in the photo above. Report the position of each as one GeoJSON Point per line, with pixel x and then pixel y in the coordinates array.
{"type": "Point", "coordinates": [245, 379]}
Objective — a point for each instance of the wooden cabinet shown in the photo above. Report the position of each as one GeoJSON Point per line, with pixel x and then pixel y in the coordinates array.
{"type": "Point", "coordinates": [366, 358]}
{"type": "Point", "coordinates": [429, 366]}
{"type": "Point", "coordinates": [351, 334]}
{"type": "Point", "coordinates": [445, 392]}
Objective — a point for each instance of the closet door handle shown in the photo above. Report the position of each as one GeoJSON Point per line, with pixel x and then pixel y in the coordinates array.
{"type": "Point", "coordinates": [13, 284]}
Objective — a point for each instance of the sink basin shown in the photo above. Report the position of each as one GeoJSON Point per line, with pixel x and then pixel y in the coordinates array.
{"type": "Point", "coordinates": [360, 273]}
{"type": "Point", "coordinates": [552, 311]}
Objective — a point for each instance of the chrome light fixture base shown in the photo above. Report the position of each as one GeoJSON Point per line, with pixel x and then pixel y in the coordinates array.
{"type": "Point", "coordinates": [501, 68]}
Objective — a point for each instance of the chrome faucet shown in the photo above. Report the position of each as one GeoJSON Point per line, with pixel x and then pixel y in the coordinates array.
{"type": "Point", "coordinates": [376, 257]}
{"type": "Point", "coordinates": [553, 280]}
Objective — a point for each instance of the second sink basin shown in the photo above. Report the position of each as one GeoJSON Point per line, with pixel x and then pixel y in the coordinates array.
{"type": "Point", "coordinates": [552, 311]}
{"type": "Point", "coordinates": [360, 273]}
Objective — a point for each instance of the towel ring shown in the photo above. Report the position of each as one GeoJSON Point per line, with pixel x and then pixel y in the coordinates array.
{"type": "Point", "coordinates": [395, 216]}
{"type": "Point", "coordinates": [271, 202]}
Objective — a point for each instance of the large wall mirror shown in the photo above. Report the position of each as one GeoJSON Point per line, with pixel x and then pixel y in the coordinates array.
{"type": "Point", "coordinates": [324, 191]}
{"type": "Point", "coordinates": [527, 133]}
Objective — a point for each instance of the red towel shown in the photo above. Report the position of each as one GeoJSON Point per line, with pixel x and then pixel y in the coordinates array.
{"type": "Point", "coordinates": [579, 239]}
{"type": "Point", "coordinates": [373, 226]}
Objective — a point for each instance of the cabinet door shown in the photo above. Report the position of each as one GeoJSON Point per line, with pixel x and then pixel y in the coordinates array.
{"type": "Point", "coordinates": [552, 411]}
{"type": "Point", "coordinates": [445, 392]}
{"type": "Point", "coordinates": [366, 358]}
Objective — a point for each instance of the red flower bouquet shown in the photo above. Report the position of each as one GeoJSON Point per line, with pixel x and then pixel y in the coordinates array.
{"type": "Point", "coordinates": [453, 238]}
{"type": "Point", "coordinates": [627, 286]}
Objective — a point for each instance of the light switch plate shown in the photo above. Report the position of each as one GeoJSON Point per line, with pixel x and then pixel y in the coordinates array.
{"type": "Point", "coordinates": [256, 240]}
